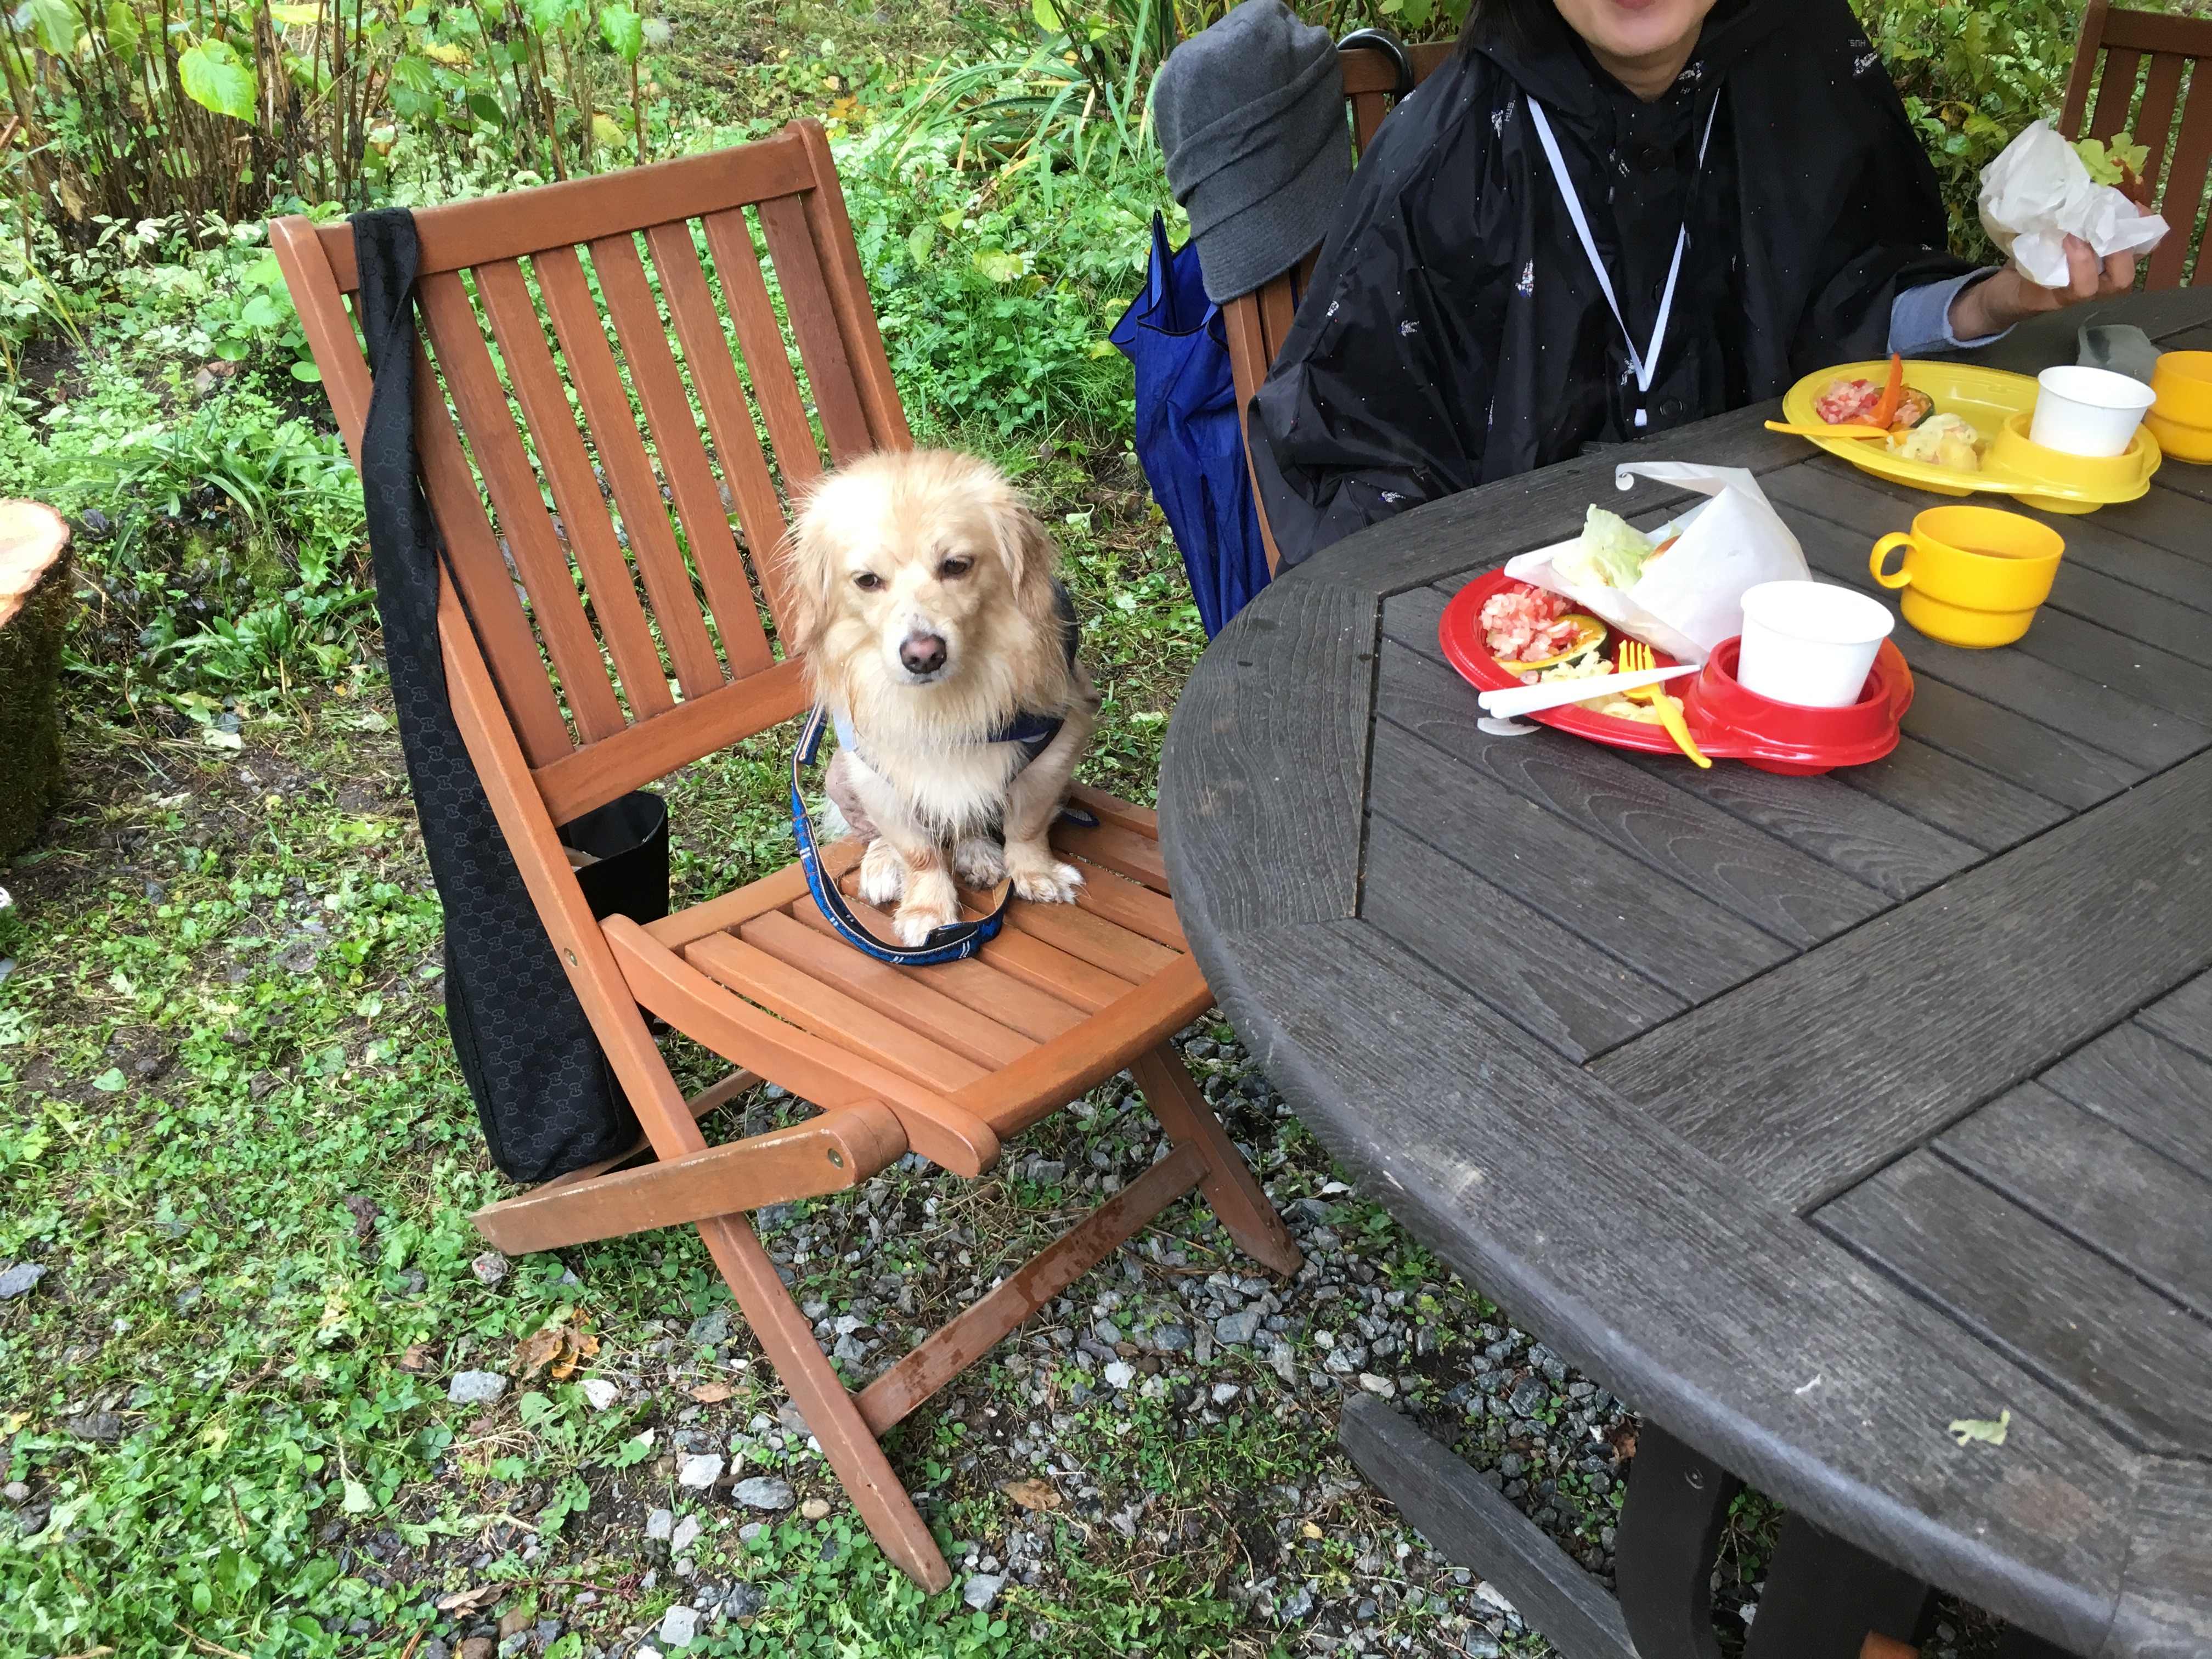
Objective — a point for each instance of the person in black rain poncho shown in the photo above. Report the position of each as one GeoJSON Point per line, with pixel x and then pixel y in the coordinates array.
{"type": "Point", "coordinates": [1600, 219]}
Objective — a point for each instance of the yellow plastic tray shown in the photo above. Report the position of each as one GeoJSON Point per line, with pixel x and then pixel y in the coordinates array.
{"type": "Point", "coordinates": [1987, 399]}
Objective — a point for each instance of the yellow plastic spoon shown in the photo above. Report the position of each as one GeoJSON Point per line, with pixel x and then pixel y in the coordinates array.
{"type": "Point", "coordinates": [1827, 431]}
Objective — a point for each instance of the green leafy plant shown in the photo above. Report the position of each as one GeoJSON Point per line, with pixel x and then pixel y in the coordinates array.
{"type": "Point", "coordinates": [1972, 77]}
{"type": "Point", "coordinates": [237, 106]}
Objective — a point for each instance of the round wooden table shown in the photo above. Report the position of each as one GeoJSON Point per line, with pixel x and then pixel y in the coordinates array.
{"type": "Point", "coordinates": [1809, 1115]}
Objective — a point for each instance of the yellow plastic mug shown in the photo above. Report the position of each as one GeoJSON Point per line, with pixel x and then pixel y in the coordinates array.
{"type": "Point", "coordinates": [1973, 575]}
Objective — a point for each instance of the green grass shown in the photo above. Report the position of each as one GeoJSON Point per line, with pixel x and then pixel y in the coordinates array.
{"type": "Point", "coordinates": [236, 1140]}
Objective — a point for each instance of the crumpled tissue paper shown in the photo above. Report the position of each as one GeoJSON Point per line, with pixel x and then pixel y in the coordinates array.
{"type": "Point", "coordinates": [2039, 191]}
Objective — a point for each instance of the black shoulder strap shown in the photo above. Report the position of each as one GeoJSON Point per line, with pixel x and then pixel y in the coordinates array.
{"type": "Point", "coordinates": [547, 1099]}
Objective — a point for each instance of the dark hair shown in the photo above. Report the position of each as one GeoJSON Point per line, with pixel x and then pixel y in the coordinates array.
{"type": "Point", "coordinates": [1522, 23]}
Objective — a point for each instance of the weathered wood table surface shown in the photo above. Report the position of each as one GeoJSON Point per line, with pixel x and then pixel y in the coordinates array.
{"type": "Point", "coordinates": [1808, 1115]}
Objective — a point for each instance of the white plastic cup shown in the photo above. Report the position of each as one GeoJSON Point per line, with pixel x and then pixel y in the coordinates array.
{"type": "Point", "coordinates": [2087, 412]}
{"type": "Point", "coordinates": [1809, 643]}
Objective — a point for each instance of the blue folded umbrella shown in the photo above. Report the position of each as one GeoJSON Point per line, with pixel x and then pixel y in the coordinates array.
{"type": "Point", "coordinates": [1188, 439]}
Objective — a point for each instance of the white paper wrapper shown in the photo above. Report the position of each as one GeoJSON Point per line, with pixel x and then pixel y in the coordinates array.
{"type": "Point", "coordinates": [1691, 599]}
{"type": "Point", "coordinates": [2039, 191]}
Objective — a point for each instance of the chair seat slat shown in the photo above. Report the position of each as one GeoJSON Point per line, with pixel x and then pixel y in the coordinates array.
{"type": "Point", "coordinates": [1087, 938]}
{"type": "Point", "coordinates": [1135, 856]}
{"type": "Point", "coordinates": [1017, 1095]}
{"type": "Point", "coordinates": [637, 493]}
{"type": "Point", "coordinates": [755, 898]}
{"type": "Point", "coordinates": [913, 1003]}
{"type": "Point", "coordinates": [792, 994]}
{"type": "Point", "coordinates": [768, 359]}
{"type": "Point", "coordinates": [1018, 955]}
{"type": "Point", "coordinates": [1130, 904]}
{"type": "Point", "coordinates": [812, 1067]}
{"type": "Point", "coordinates": [591, 533]}
{"type": "Point", "coordinates": [675, 429]}
{"type": "Point", "coordinates": [1112, 809]}
{"type": "Point", "coordinates": [487, 589]}
{"type": "Point", "coordinates": [729, 416]}
{"type": "Point", "coordinates": [1045, 965]}
{"type": "Point", "coordinates": [474, 386]}
{"type": "Point", "coordinates": [973, 983]}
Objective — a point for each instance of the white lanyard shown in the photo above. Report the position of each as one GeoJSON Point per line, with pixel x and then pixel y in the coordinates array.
{"type": "Point", "coordinates": [1646, 364]}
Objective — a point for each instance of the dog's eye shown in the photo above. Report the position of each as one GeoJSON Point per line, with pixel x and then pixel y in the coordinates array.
{"type": "Point", "coordinates": [955, 565]}
{"type": "Point", "coordinates": [867, 581]}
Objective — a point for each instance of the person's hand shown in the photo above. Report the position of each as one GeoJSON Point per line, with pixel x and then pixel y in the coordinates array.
{"type": "Point", "coordinates": [1992, 306]}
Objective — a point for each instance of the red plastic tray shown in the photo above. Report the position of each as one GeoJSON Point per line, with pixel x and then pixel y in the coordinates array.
{"type": "Point", "coordinates": [1729, 721]}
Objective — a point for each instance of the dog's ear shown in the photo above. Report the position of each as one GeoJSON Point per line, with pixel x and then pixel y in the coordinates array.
{"type": "Point", "coordinates": [802, 558]}
{"type": "Point", "coordinates": [1031, 556]}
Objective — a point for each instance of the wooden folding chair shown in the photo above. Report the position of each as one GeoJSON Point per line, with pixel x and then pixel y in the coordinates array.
{"type": "Point", "coordinates": [2154, 49]}
{"type": "Point", "coordinates": [1258, 322]}
{"type": "Point", "coordinates": [584, 659]}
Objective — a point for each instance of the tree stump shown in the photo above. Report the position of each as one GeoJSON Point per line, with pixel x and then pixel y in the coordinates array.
{"type": "Point", "coordinates": [34, 609]}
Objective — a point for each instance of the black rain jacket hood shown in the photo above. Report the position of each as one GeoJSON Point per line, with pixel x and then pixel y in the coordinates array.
{"type": "Point", "coordinates": [1453, 331]}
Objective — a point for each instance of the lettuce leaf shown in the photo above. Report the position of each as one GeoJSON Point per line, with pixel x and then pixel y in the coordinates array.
{"type": "Point", "coordinates": [2109, 160]}
{"type": "Point", "coordinates": [1610, 554]}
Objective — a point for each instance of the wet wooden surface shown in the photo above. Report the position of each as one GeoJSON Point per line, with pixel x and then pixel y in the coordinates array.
{"type": "Point", "coordinates": [1808, 1114]}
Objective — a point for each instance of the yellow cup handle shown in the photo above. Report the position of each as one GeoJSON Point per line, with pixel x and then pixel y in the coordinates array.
{"type": "Point", "coordinates": [1882, 549]}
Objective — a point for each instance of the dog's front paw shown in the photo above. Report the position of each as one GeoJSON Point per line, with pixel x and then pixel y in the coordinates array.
{"type": "Point", "coordinates": [917, 919]}
{"type": "Point", "coordinates": [1041, 878]}
{"type": "Point", "coordinates": [883, 874]}
{"type": "Point", "coordinates": [978, 862]}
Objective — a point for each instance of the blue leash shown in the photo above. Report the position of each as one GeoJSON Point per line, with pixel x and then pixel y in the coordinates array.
{"type": "Point", "coordinates": [954, 943]}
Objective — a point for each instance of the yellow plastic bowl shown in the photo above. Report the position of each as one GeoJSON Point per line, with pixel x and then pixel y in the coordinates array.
{"type": "Point", "coordinates": [2059, 483]}
{"type": "Point", "coordinates": [2185, 443]}
{"type": "Point", "coordinates": [2183, 381]}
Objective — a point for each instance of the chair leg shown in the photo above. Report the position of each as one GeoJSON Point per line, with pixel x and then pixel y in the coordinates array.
{"type": "Point", "coordinates": [831, 1414]}
{"type": "Point", "coordinates": [1229, 1186]}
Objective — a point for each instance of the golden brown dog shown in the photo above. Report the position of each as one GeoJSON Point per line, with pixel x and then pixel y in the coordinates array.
{"type": "Point", "coordinates": [925, 600]}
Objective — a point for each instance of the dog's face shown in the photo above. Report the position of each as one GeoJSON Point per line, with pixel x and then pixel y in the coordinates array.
{"type": "Point", "coordinates": [908, 568]}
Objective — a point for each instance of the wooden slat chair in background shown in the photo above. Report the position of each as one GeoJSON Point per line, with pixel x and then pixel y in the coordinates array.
{"type": "Point", "coordinates": [661, 659]}
{"type": "Point", "coordinates": [2158, 50]}
{"type": "Point", "coordinates": [1257, 323]}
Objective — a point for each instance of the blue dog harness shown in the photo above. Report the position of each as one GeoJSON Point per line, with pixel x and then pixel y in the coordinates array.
{"type": "Point", "coordinates": [958, 940]}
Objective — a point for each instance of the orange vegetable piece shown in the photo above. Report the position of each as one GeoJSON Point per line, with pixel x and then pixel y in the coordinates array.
{"type": "Point", "coordinates": [1885, 412]}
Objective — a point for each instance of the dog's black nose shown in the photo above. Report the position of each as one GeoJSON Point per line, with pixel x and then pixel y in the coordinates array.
{"type": "Point", "coordinates": [922, 654]}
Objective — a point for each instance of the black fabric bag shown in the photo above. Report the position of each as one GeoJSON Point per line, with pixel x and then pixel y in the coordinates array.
{"type": "Point", "coordinates": [627, 842]}
{"type": "Point", "coordinates": [544, 1093]}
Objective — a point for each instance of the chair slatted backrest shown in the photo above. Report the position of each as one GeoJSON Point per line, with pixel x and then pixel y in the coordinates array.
{"type": "Point", "coordinates": [2155, 85]}
{"type": "Point", "coordinates": [1256, 323]}
{"type": "Point", "coordinates": [585, 467]}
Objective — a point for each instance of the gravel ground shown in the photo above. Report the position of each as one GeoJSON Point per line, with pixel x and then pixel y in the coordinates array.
{"type": "Point", "coordinates": [1175, 1339]}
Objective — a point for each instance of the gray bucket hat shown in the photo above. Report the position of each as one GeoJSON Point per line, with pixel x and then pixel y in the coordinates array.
{"type": "Point", "coordinates": [1251, 118]}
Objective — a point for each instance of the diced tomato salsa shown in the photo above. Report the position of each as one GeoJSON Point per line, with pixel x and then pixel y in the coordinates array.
{"type": "Point", "coordinates": [1522, 623]}
{"type": "Point", "coordinates": [1844, 401]}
